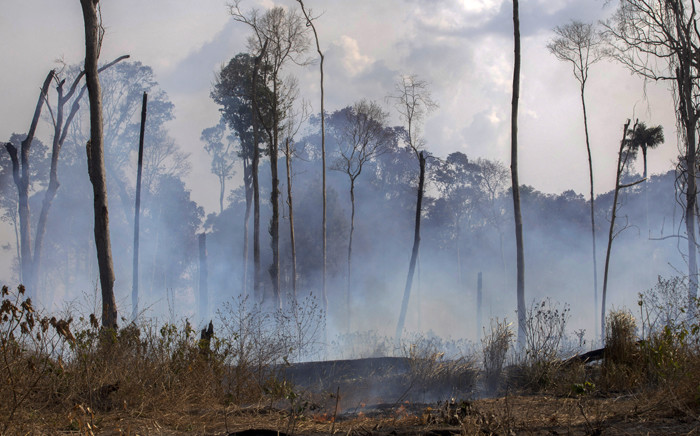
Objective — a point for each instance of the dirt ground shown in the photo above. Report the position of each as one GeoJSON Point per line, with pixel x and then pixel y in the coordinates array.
{"type": "Point", "coordinates": [506, 415]}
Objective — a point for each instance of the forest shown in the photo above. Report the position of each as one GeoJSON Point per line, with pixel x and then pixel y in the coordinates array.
{"type": "Point", "coordinates": [340, 230]}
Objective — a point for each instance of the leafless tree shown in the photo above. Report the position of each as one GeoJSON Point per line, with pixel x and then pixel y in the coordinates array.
{"type": "Point", "coordinates": [413, 101]}
{"type": "Point", "coordinates": [493, 182]}
{"type": "Point", "coordinates": [364, 137]}
{"type": "Point", "coordinates": [20, 175]}
{"type": "Point", "coordinates": [220, 148]}
{"type": "Point", "coordinates": [137, 215]}
{"type": "Point", "coordinates": [310, 22]}
{"type": "Point", "coordinates": [660, 40]}
{"type": "Point", "coordinates": [520, 253]}
{"type": "Point", "coordinates": [580, 45]}
{"type": "Point", "coordinates": [294, 119]}
{"type": "Point", "coordinates": [96, 164]}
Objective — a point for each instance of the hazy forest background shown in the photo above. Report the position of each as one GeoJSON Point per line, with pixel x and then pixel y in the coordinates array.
{"type": "Point", "coordinates": [466, 215]}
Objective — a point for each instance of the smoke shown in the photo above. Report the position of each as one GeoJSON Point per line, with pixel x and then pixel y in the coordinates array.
{"type": "Point", "coordinates": [467, 229]}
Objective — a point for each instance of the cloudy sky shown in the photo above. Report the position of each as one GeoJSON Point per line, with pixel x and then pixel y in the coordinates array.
{"type": "Point", "coordinates": [463, 48]}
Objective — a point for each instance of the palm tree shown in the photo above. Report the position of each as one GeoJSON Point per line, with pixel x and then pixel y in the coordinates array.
{"type": "Point", "coordinates": [644, 138]}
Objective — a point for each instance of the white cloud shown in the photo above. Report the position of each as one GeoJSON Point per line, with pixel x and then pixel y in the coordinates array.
{"type": "Point", "coordinates": [448, 17]}
{"type": "Point", "coordinates": [353, 61]}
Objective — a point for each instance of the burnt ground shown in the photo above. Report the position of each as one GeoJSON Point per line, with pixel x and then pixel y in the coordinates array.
{"type": "Point", "coordinates": [398, 396]}
{"type": "Point", "coordinates": [507, 415]}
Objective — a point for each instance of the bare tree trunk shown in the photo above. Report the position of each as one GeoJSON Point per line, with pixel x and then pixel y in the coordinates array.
{"type": "Point", "coordinates": [203, 275]}
{"type": "Point", "coordinates": [516, 186]}
{"type": "Point", "coordinates": [611, 232]}
{"type": "Point", "coordinates": [96, 163]}
{"type": "Point", "coordinates": [256, 183]}
{"type": "Point", "coordinates": [590, 172]}
{"type": "Point", "coordinates": [137, 214]}
{"type": "Point", "coordinates": [274, 269]}
{"type": "Point", "coordinates": [479, 297]}
{"type": "Point", "coordinates": [20, 175]}
{"type": "Point", "coordinates": [691, 119]}
{"type": "Point", "coordinates": [352, 231]}
{"type": "Point", "coordinates": [290, 205]}
{"type": "Point", "coordinates": [247, 182]}
{"type": "Point", "coordinates": [414, 253]}
{"type": "Point", "coordinates": [323, 160]}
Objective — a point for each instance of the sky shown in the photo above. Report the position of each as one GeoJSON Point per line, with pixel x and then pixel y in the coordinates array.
{"type": "Point", "coordinates": [462, 48]}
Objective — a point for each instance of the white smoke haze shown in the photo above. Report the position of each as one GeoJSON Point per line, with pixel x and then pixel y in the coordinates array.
{"type": "Point", "coordinates": [463, 51]}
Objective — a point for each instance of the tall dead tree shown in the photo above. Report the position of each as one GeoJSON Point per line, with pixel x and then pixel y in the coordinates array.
{"type": "Point", "coordinates": [137, 216]}
{"type": "Point", "coordinates": [364, 137]}
{"type": "Point", "coordinates": [96, 163]}
{"type": "Point", "coordinates": [309, 22]}
{"type": "Point", "coordinates": [520, 252]}
{"type": "Point", "coordinates": [660, 40]}
{"type": "Point", "coordinates": [413, 101]}
{"type": "Point", "coordinates": [579, 44]}
{"type": "Point", "coordinates": [61, 123]}
{"type": "Point", "coordinates": [20, 176]}
{"type": "Point", "coordinates": [203, 278]}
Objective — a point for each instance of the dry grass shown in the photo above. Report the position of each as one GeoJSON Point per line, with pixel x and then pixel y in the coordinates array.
{"type": "Point", "coordinates": [71, 377]}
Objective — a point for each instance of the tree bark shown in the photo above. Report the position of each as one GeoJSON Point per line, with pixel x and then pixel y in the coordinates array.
{"type": "Point", "coordinates": [516, 186]}
{"type": "Point", "coordinates": [96, 163]}
{"type": "Point", "coordinates": [324, 294]}
{"type": "Point", "coordinates": [203, 276]}
{"type": "Point", "coordinates": [590, 173]}
{"type": "Point", "coordinates": [414, 253]}
{"type": "Point", "coordinates": [247, 183]}
{"type": "Point", "coordinates": [479, 325]}
{"type": "Point", "coordinates": [611, 232]}
{"type": "Point", "coordinates": [290, 205]}
{"type": "Point", "coordinates": [256, 183]}
{"type": "Point", "coordinates": [137, 210]}
{"type": "Point", "coordinates": [352, 231]}
{"type": "Point", "coordinates": [274, 269]}
{"type": "Point", "coordinates": [691, 118]}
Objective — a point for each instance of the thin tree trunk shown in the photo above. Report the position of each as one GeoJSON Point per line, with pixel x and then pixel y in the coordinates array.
{"type": "Point", "coordinates": [691, 193]}
{"type": "Point", "coordinates": [479, 297]}
{"type": "Point", "coordinates": [19, 255]}
{"type": "Point", "coordinates": [352, 231]}
{"type": "Point", "coordinates": [247, 182]}
{"type": "Point", "coordinates": [323, 162]}
{"type": "Point", "coordinates": [590, 172]}
{"type": "Point", "coordinates": [137, 214]}
{"type": "Point", "coordinates": [20, 175]}
{"type": "Point", "coordinates": [274, 202]}
{"type": "Point", "coordinates": [611, 232]}
{"type": "Point", "coordinates": [414, 253]}
{"type": "Point", "coordinates": [256, 183]}
{"type": "Point", "coordinates": [516, 186]}
{"type": "Point", "coordinates": [646, 193]}
{"type": "Point", "coordinates": [96, 163]}
{"type": "Point", "coordinates": [290, 205]}
{"type": "Point", "coordinates": [203, 275]}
